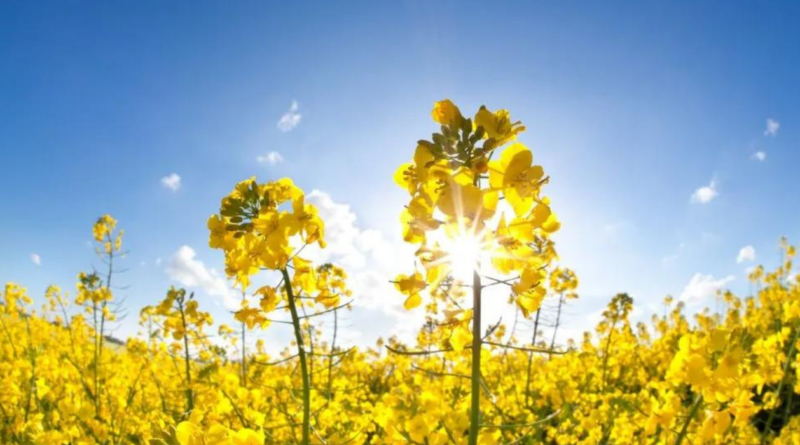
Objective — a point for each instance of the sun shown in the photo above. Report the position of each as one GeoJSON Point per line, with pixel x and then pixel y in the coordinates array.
{"type": "Point", "coordinates": [464, 254]}
{"type": "Point", "coordinates": [465, 251]}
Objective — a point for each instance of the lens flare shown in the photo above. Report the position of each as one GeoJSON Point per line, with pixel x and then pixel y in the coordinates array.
{"type": "Point", "coordinates": [464, 254]}
{"type": "Point", "coordinates": [466, 250]}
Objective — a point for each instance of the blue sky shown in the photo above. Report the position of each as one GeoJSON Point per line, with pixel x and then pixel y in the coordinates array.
{"type": "Point", "coordinates": [630, 108]}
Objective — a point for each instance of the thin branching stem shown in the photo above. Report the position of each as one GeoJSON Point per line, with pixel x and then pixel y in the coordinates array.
{"type": "Point", "coordinates": [186, 358]}
{"type": "Point", "coordinates": [298, 334]}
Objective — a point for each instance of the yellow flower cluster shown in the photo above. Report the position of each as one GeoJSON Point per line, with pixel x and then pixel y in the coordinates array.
{"type": "Point", "coordinates": [455, 189]}
{"type": "Point", "coordinates": [255, 231]}
{"type": "Point", "coordinates": [103, 232]}
{"type": "Point", "coordinates": [268, 226]}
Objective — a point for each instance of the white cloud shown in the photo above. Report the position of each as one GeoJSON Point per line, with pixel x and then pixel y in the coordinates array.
{"type": "Point", "coordinates": [747, 253]}
{"type": "Point", "coordinates": [706, 193]}
{"type": "Point", "coordinates": [37, 260]}
{"type": "Point", "coordinates": [341, 232]}
{"type": "Point", "coordinates": [184, 269]}
{"type": "Point", "coordinates": [290, 119]}
{"type": "Point", "coordinates": [702, 286]}
{"type": "Point", "coordinates": [371, 289]}
{"type": "Point", "coordinates": [772, 127]}
{"type": "Point", "coordinates": [371, 261]}
{"type": "Point", "coordinates": [760, 156]}
{"type": "Point", "coordinates": [270, 158]}
{"type": "Point", "coordinates": [171, 181]}
{"type": "Point", "coordinates": [348, 244]}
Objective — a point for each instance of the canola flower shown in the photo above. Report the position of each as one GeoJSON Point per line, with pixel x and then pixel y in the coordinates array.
{"type": "Point", "coordinates": [706, 378]}
{"type": "Point", "coordinates": [256, 227]}
{"type": "Point", "coordinates": [455, 188]}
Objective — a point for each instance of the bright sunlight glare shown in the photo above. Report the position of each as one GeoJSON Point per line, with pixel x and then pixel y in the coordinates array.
{"type": "Point", "coordinates": [464, 253]}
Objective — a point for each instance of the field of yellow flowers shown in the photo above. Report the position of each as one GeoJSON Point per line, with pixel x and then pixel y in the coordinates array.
{"type": "Point", "coordinates": [478, 217]}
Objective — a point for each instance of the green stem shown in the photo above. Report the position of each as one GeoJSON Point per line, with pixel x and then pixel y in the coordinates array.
{"type": "Point", "coordinates": [333, 350]}
{"type": "Point", "coordinates": [558, 321]}
{"type": "Point", "coordinates": [530, 356]}
{"type": "Point", "coordinates": [696, 406]}
{"type": "Point", "coordinates": [96, 362]}
{"type": "Point", "coordinates": [244, 356]}
{"type": "Point", "coordinates": [244, 350]}
{"type": "Point", "coordinates": [298, 334]}
{"type": "Point", "coordinates": [606, 355]}
{"type": "Point", "coordinates": [32, 383]}
{"type": "Point", "coordinates": [475, 413]}
{"type": "Point", "coordinates": [8, 335]}
{"type": "Point", "coordinates": [187, 365]}
{"type": "Point", "coordinates": [101, 337]}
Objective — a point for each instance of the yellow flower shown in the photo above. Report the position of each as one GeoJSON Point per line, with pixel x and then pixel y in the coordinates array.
{"type": "Point", "coordinates": [219, 237]}
{"type": "Point", "coordinates": [418, 429]}
{"type": "Point", "coordinates": [328, 299]}
{"type": "Point", "coordinates": [530, 301]}
{"type": "Point", "coordinates": [104, 226]}
{"type": "Point", "coordinates": [269, 298]}
{"type": "Point", "coordinates": [305, 220]}
{"type": "Point", "coordinates": [305, 277]}
{"type": "Point", "coordinates": [417, 219]}
{"type": "Point", "coordinates": [188, 433]}
{"type": "Point", "coordinates": [461, 337]}
{"type": "Point", "coordinates": [498, 125]}
{"type": "Point", "coordinates": [251, 317]}
{"type": "Point", "coordinates": [411, 176]}
{"type": "Point", "coordinates": [218, 435]}
{"type": "Point", "coordinates": [515, 175]}
{"type": "Point", "coordinates": [463, 199]}
{"type": "Point", "coordinates": [446, 113]}
{"type": "Point", "coordinates": [532, 275]}
{"type": "Point", "coordinates": [410, 286]}
{"type": "Point", "coordinates": [248, 437]}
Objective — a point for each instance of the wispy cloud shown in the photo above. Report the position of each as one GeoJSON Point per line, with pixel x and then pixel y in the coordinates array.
{"type": "Point", "coordinates": [772, 127]}
{"type": "Point", "coordinates": [746, 253]}
{"type": "Point", "coordinates": [706, 193]}
{"type": "Point", "coordinates": [702, 286]}
{"type": "Point", "coordinates": [371, 260]}
{"type": "Point", "coordinates": [37, 260]}
{"type": "Point", "coordinates": [760, 156]}
{"type": "Point", "coordinates": [290, 119]}
{"type": "Point", "coordinates": [188, 271]}
{"type": "Point", "coordinates": [171, 181]}
{"type": "Point", "coordinates": [270, 158]}
{"type": "Point", "coordinates": [342, 234]}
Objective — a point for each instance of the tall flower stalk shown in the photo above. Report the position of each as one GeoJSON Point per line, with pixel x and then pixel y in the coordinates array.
{"type": "Point", "coordinates": [472, 216]}
{"type": "Point", "coordinates": [178, 317]}
{"type": "Point", "coordinates": [267, 226]}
